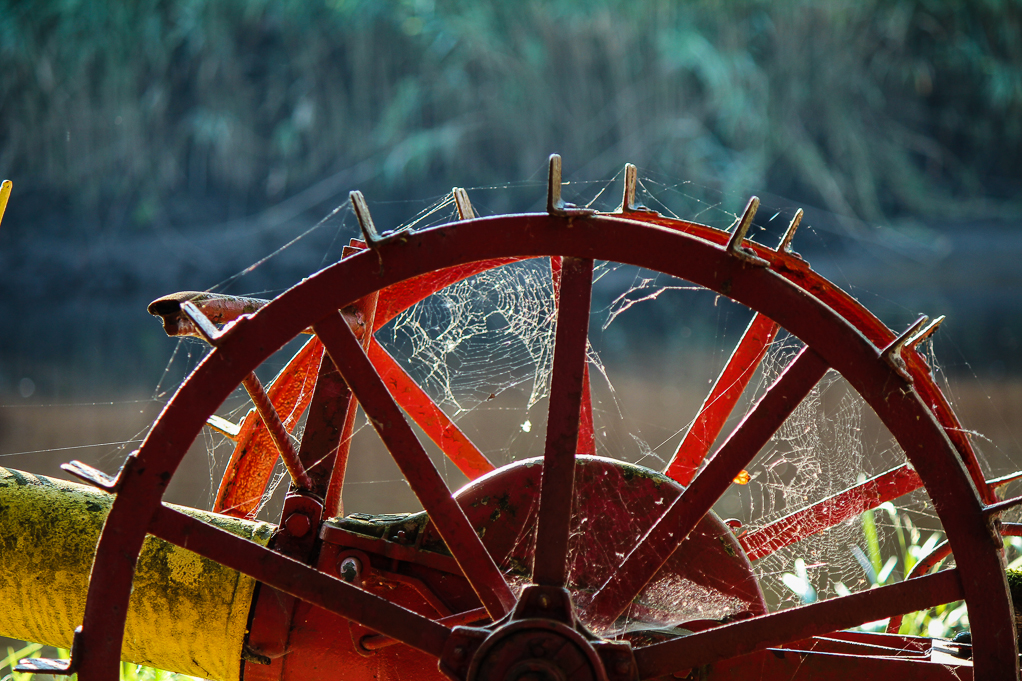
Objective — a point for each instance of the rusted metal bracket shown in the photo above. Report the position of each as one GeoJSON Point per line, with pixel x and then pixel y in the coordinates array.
{"type": "Point", "coordinates": [93, 476]}
{"type": "Point", "coordinates": [925, 333]}
{"type": "Point", "coordinates": [53, 667]}
{"type": "Point", "coordinates": [892, 353]}
{"type": "Point", "coordinates": [465, 210]}
{"type": "Point", "coordinates": [217, 307]}
{"type": "Point", "coordinates": [365, 223]}
{"type": "Point", "coordinates": [628, 204]}
{"type": "Point", "coordinates": [734, 245]}
{"type": "Point", "coordinates": [96, 477]}
{"type": "Point", "coordinates": [271, 419]}
{"type": "Point", "coordinates": [789, 234]}
{"type": "Point", "coordinates": [555, 205]}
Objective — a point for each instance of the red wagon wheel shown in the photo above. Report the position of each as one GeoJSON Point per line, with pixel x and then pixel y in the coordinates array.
{"type": "Point", "coordinates": [838, 335]}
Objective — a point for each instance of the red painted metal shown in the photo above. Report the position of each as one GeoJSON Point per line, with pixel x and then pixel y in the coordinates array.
{"type": "Point", "coordinates": [613, 501]}
{"type": "Point", "coordinates": [562, 434]}
{"type": "Point", "coordinates": [833, 326]}
{"type": "Point", "coordinates": [299, 580]}
{"type": "Point", "coordinates": [278, 433]}
{"type": "Point", "coordinates": [427, 484]}
{"type": "Point", "coordinates": [937, 556]}
{"type": "Point", "coordinates": [722, 399]}
{"type": "Point", "coordinates": [771, 630]}
{"type": "Point", "coordinates": [831, 511]}
{"type": "Point", "coordinates": [806, 665]}
{"type": "Point", "coordinates": [586, 435]}
{"type": "Point", "coordinates": [615, 504]}
{"type": "Point", "coordinates": [366, 308]}
{"type": "Point", "coordinates": [251, 465]}
{"type": "Point", "coordinates": [324, 425]}
{"type": "Point", "coordinates": [798, 272]}
{"type": "Point", "coordinates": [755, 430]}
{"type": "Point", "coordinates": [428, 416]}
{"type": "Point", "coordinates": [397, 297]}
{"type": "Point", "coordinates": [838, 508]}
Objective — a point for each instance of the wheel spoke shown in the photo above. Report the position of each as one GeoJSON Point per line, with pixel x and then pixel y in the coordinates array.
{"type": "Point", "coordinates": [831, 511]}
{"type": "Point", "coordinates": [476, 563]}
{"type": "Point", "coordinates": [722, 399]}
{"type": "Point", "coordinates": [739, 638]}
{"type": "Point", "coordinates": [299, 580]}
{"type": "Point", "coordinates": [586, 435]}
{"type": "Point", "coordinates": [333, 504]}
{"type": "Point", "coordinates": [755, 430]}
{"type": "Point", "coordinates": [428, 416]}
{"type": "Point", "coordinates": [255, 454]}
{"type": "Point", "coordinates": [366, 311]}
{"type": "Point", "coordinates": [925, 564]}
{"type": "Point", "coordinates": [324, 426]}
{"type": "Point", "coordinates": [278, 433]}
{"type": "Point", "coordinates": [854, 665]}
{"type": "Point", "coordinates": [566, 388]}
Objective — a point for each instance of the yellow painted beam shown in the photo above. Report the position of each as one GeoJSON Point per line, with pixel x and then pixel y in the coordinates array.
{"type": "Point", "coordinates": [187, 614]}
{"type": "Point", "coordinates": [5, 193]}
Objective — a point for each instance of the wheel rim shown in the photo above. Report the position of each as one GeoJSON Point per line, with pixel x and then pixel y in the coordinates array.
{"type": "Point", "coordinates": [851, 350]}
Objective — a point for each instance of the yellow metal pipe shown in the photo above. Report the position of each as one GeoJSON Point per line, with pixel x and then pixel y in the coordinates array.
{"type": "Point", "coordinates": [187, 614]}
{"type": "Point", "coordinates": [5, 193]}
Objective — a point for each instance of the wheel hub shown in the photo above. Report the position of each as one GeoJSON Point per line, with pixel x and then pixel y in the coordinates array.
{"type": "Point", "coordinates": [535, 650]}
{"type": "Point", "coordinates": [542, 640]}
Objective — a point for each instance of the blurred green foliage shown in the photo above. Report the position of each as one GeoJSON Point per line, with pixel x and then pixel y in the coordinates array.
{"type": "Point", "coordinates": [872, 108]}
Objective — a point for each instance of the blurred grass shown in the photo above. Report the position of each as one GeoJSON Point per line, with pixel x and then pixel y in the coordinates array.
{"type": "Point", "coordinates": [129, 672]}
{"type": "Point", "coordinates": [870, 108]}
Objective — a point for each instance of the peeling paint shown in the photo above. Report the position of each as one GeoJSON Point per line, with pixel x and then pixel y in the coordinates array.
{"type": "Point", "coordinates": [187, 614]}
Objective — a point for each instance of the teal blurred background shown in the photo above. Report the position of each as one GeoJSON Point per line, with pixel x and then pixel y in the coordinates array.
{"type": "Point", "coordinates": [160, 145]}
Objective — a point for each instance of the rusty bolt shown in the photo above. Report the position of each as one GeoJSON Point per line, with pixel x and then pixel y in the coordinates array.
{"type": "Point", "coordinates": [298, 524]}
{"type": "Point", "coordinates": [350, 569]}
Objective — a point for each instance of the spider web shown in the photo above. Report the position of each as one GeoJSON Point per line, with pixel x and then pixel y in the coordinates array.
{"type": "Point", "coordinates": [482, 349]}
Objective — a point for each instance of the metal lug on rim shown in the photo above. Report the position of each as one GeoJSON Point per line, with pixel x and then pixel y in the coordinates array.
{"type": "Point", "coordinates": [925, 333]}
{"type": "Point", "coordinates": [734, 245]}
{"type": "Point", "coordinates": [271, 419]}
{"type": "Point", "coordinates": [350, 570]}
{"type": "Point", "coordinates": [228, 429]}
{"type": "Point", "coordinates": [789, 234]}
{"type": "Point", "coordinates": [628, 204]}
{"type": "Point", "coordinates": [1001, 506]}
{"type": "Point", "coordinates": [277, 432]}
{"type": "Point", "coordinates": [365, 220]}
{"type": "Point", "coordinates": [92, 476]}
{"type": "Point", "coordinates": [555, 205]}
{"type": "Point", "coordinates": [465, 210]}
{"type": "Point", "coordinates": [1004, 480]}
{"type": "Point", "coordinates": [5, 193]}
{"type": "Point", "coordinates": [207, 328]}
{"type": "Point", "coordinates": [45, 665]}
{"type": "Point", "coordinates": [892, 353]}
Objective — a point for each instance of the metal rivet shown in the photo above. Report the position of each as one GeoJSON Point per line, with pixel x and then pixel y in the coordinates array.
{"type": "Point", "coordinates": [350, 569]}
{"type": "Point", "coordinates": [298, 524]}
